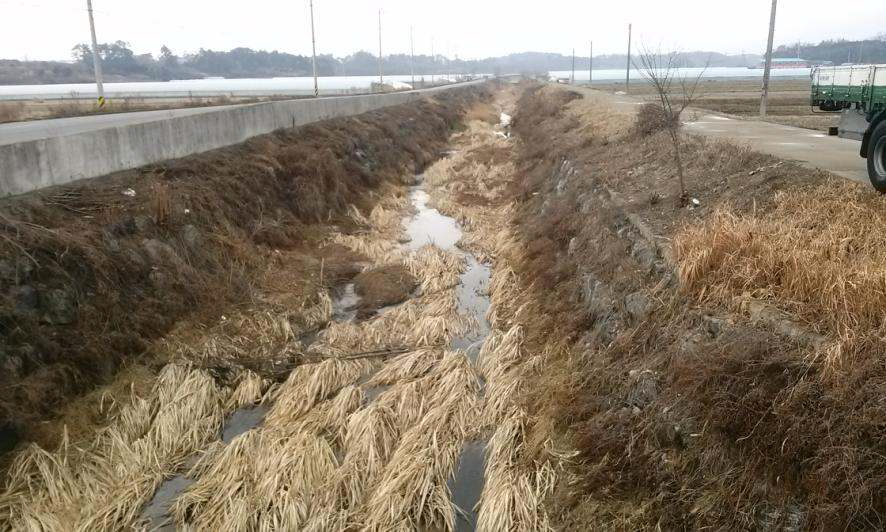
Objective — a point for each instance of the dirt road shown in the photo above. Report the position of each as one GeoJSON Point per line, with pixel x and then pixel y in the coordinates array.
{"type": "Point", "coordinates": [806, 147]}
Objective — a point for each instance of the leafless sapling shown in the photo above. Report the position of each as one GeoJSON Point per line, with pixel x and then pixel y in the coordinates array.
{"type": "Point", "coordinates": [675, 92]}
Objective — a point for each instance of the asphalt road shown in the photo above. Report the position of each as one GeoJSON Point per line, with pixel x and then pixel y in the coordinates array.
{"type": "Point", "coordinates": [806, 147]}
{"type": "Point", "coordinates": [15, 132]}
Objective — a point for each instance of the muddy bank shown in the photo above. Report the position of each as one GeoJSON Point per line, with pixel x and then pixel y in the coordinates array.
{"type": "Point", "coordinates": [92, 274]}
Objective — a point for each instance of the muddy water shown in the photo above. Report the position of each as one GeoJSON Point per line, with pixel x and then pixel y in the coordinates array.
{"type": "Point", "coordinates": [344, 303]}
{"type": "Point", "coordinates": [429, 226]}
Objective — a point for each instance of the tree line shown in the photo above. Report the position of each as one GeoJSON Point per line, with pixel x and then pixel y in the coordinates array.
{"type": "Point", "coordinates": [118, 58]}
{"type": "Point", "coordinates": [838, 51]}
{"type": "Point", "coordinates": [121, 63]}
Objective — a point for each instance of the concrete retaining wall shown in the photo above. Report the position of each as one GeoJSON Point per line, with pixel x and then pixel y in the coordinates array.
{"type": "Point", "coordinates": [35, 164]}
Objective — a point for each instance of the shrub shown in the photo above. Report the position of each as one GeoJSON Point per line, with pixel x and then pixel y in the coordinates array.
{"type": "Point", "coordinates": [651, 119]}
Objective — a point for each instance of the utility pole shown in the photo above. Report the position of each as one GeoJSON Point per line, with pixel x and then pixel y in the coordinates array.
{"type": "Point", "coordinates": [314, 52]}
{"type": "Point", "coordinates": [433, 61]}
{"type": "Point", "coordinates": [381, 78]}
{"type": "Point", "coordinates": [412, 54]}
{"type": "Point", "coordinates": [448, 62]}
{"type": "Point", "coordinates": [591, 66]}
{"type": "Point", "coordinates": [628, 71]}
{"type": "Point", "coordinates": [96, 58]}
{"type": "Point", "coordinates": [767, 69]}
{"type": "Point", "coordinates": [573, 67]}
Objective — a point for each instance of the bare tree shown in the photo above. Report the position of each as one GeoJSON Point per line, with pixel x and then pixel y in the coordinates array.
{"type": "Point", "coordinates": [675, 93]}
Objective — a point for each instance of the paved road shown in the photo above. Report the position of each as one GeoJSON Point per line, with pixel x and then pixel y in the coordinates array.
{"type": "Point", "coordinates": [15, 132]}
{"type": "Point", "coordinates": [806, 147]}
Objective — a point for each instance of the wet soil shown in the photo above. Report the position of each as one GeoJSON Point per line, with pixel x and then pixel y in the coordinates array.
{"type": "Point", "coordinates": [340, 264]}
{"type": "Point", "coordinates": [383, 287]}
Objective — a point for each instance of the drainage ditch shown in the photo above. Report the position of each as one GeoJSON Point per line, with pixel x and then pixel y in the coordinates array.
{"type": "Point", "coordinates": [427, 226]}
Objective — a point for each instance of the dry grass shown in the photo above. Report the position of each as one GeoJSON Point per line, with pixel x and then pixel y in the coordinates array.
{"type": "Point", "coordinates": [275, 469]}
{"type": "Point", "coordinates": [513, 494]}
{"type": "Point", "coordinates": [815, 254]}
{"type": "Point", "coordinates": [103, 485]}
{"type": "Point", "coordinates": [11, 111]}
{"type": "Point", "coordinates": [693, 416]}
{"type": "Point", "coordinates": [309, 384]}
{"type": "Point", "coordinates": [412, 492]}
{"type": "Point", "coordinates": [190, 244]}
{"type": "Point", "coordinates": [652, 118]}
{"type": "Point", "coordinates": [378, 466]}
{"type": "Point", "coordinates": [472, 185]}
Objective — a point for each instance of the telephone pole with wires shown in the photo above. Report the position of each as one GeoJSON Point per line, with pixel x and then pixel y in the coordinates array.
{"type": "Point", "coordinates": [572, 78]}
{"type": "Point", "coordinates": [381, 78]}
{"type": "Point", "coordinates": [628, 70]}
{"type": "Point", "coordinates": [412, 54]}
{"type": "Point", "coordinates": [314, 52]}
{"type": "Point", "coordinates": [96, 57]}
{"type": "Point", "coordinates": [767, 69]}
{"type": "Point", "coordinates": [591, 66]}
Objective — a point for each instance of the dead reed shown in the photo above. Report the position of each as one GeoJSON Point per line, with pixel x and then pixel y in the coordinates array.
{"type": "Point", "coordinates": [103, 485]}
{"type": "Point", "coordinates": [815, 254]}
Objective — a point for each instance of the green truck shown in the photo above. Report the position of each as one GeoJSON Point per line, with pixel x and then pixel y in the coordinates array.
{"type": "Point", "coordinates": [858, 92]}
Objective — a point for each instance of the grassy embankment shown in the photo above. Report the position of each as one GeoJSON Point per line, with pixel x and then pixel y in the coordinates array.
{"type": "Point", "coordinates": [94, 274]}
{"type": "Point", "coordinates": [716, 366]}
{"type": "Point", "coordinates": [235, 310]}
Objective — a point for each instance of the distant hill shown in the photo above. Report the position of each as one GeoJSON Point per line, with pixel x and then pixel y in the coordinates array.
{"type": "Point", "coordinates": [838, 51]}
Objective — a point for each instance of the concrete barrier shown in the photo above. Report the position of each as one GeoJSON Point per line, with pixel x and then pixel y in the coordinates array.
{"type": "Point", "coordinates": [35, 164]}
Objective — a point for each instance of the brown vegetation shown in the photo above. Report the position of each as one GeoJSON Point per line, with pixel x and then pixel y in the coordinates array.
{"type": "Point", "coordinates": [92, 273]}
{"type": "Point", "coordinates": [685, 411]}
{"type": "Point", "coordinates": [11, 111]}
{"type": "Point", "coordinates": [788, 101]}
{"type": "Point", "coordinates": [66, 108]}
{"type": "Point", "coordinates": [383, 287]}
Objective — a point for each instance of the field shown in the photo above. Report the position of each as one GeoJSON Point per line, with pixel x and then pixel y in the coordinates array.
{"type": "Point", "coordinates": [16, 111]}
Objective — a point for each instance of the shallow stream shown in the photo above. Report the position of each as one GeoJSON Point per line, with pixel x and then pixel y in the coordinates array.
{"type": "Point", "coordinates": [427, 226]}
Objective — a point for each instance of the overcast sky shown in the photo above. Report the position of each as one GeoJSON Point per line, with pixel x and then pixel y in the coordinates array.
{"type": "Point", "coordinates": [47, 29]}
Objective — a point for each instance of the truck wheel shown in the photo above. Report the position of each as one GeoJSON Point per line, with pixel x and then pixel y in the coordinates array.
{"type": "Point", "coordinates": [877, 157]}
